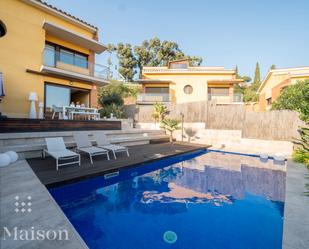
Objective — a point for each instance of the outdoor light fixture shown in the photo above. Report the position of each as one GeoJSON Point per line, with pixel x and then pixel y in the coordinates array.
{"type": "Point", "coordinates": [32, 97]}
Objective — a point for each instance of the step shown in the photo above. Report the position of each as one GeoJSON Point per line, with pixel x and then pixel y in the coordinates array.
{"type": "Point", "coordinates": [31, 150]}
{"type": "Point", "coordinates": [11, 139]}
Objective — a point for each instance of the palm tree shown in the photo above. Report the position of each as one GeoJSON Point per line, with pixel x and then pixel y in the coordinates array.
{"type": "Point", "coordinates": [171, 125]}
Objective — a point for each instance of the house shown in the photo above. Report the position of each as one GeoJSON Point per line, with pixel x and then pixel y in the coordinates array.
{"type": "Point", "coordinates": [47, 55]}
{"type": "Point", "coordinates": [276, 80]}
{"type": "Point", "coordinates": [178, 82]}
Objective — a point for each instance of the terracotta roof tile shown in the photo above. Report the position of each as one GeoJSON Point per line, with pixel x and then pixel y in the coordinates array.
{"type": "Point", "coordinates": [65, 13]}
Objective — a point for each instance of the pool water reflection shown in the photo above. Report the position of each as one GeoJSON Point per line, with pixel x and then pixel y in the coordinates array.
{"type": "Point", "coordinates": [205, 200]}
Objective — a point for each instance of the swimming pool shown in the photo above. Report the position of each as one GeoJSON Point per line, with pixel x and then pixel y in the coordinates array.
{"type": "Point", "coordinates": [197, 200]}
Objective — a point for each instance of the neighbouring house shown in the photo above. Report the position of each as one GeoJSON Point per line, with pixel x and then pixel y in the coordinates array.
{"type": "Point", "coordinates": [48, 53]}
{"type": "Point", "coordinates": [275, 81]}
{"type": "Point", "coordinates": [178, 82]}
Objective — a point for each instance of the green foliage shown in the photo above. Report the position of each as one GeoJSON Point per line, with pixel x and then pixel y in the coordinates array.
{"type": "Point", "coordinates": [301, 157]}
{"type": "Point", "coordinates": [160, 110]}
{"type": "Point", "coordinates": [250, 92]}
{"type": "Point", "coordinates": [127, 61]}
{"type": "Point", "coordinates": [117, 111]}
{"type": "Point", "coordinates": [296, 98]}
{"type": "Point", "coordinates": [111, 98]}
{"type": "Point", "coordinates": [257, 77]}
{"type": "Point", "coordinates": [152, 52]}
{"type": "Point", "coordinates": [250, 95]}
{"type": "Point", "coordinates": [240, 88]}
{"type": "Point", "coordinates": [273, 66]}
{"type": "Point", "coordinates": [170, 125]}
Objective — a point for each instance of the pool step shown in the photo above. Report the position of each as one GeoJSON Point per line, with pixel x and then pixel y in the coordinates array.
{"type": "Point", "coordinates": [30, 145]}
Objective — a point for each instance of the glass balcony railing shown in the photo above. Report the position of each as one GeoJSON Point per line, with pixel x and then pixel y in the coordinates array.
{"type": "Point", "coordinates": [153, 97]}
{"type": "Point", "coordinates": [74, 63]}
{"type": "Point", "coordinates": [226, 99]}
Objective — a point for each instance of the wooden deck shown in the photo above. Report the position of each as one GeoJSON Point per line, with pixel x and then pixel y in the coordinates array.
{"type": "Point", "coordinates": [38, 125]}
{"type": "Point", "coordinates": [45, 169]}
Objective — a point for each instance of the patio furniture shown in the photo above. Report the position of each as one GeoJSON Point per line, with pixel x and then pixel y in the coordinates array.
{"type": "Point", "coordinates": [103, 142]}
{"type": "Point", "coordinates": [56, 148]}
{"type": "Point", "coordinates": [70, 111]}
{"type": "Point", "coordinates": [84, 144]}
{"type": "Point", "coordinates": [58, 110]}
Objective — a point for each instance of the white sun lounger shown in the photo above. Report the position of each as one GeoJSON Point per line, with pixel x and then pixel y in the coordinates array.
{"type": "Point", "coordinates": [83, 144]}
{"type": "Point", "coordinates": [56, 148]}
{"type": "Point", "coordinates": [103, 142]}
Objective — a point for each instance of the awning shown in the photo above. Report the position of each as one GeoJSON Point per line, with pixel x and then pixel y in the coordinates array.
{"type": "Point", "coordinates": [2, 94]}
{"type": "Point", "coordinates": [70, 36]}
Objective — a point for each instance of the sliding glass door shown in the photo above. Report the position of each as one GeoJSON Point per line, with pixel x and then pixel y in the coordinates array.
{"type": "Point", "coordinates": [57, 96]}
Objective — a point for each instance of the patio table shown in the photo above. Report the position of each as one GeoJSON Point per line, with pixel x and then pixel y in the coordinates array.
{"type": "Point", "coordinates": [71, 110]}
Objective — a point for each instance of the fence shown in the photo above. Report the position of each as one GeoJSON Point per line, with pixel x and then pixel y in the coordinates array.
{"type": "Point", "coordinates": [272, 125]}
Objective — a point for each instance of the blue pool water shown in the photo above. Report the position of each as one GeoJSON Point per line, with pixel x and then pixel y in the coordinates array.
{"type": "Point", "coordinates": [199, 200]}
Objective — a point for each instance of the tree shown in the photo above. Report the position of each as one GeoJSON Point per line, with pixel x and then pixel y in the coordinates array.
{"type": "Point", "coordinates": [160, 110]}
{"type": "Point", "coordinates": [240, 88]}
{"type": "Point", "coordinates": [273, 66]}
{"type": "Point", "coordinates": [111, 98]}
{"type": "Point", "coordinates": [171, 125]}
{"type": "Point", "coordinates": [127, 61]}
{"type": "Point", "coordinates": [153, 52]}
{"type": "Point", "coordinates": [296, 98]}
{"type": "Point", "coordinates": [250, 93]}
{"type": "Point", "coordinates": [257, 77]}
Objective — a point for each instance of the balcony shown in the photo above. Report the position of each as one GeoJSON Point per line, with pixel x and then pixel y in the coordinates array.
{"type": "Point", "coordinates": [236, 98]}
{"type": "Point", "coordinates": [75, 67]}
{"type": "Point", "coordinates": [151, 98]}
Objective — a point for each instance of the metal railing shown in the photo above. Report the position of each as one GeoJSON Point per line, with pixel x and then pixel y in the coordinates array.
{"type": "Point", "coordinates": [76, 64]}
{"type": "Point", "coordinates": [153, 97]}
{"type": "Point", "coordinates": [225, 99]}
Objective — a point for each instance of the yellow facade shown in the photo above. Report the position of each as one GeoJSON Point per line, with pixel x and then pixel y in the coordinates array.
{"type": "Point", "coordinates": [22, 49]}
{"type": "Point", "coordinates": [275, 80]}
{"type": "Point", "coordinates": [199, 78]}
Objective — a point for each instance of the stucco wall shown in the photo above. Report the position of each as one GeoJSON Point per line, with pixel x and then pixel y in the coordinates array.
{"type": "Point", "coordinates": [197, 81]}
{"type": "Point", "coordinates": [22, 48]}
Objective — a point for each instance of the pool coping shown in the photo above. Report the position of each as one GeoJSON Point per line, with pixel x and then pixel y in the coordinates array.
{"type": "Point", "coordinates": [45, 213]}
{"type": "Point", "coordinates": [296, 216]}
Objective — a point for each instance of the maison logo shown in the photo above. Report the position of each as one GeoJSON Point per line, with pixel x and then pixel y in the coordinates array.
{"type": "Point", "coordinates": [24, 206]}
{"type": "Point", "coordinates": [34, 234]}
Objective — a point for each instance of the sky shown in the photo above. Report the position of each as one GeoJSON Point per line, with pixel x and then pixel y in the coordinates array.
{"type": "Point", "coordinates": [222, 32]}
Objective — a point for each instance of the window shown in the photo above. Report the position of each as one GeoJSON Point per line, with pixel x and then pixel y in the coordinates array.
{"type": "Point", "coordinates": [188, 89]}
{"type": "Point", "coordinates": [2, 29]}
{"type": "Point", "coordinates": [58, 96]}
{"type": "Point", "coordinates": [179, 65]}
{"type": "Point", "coordinates": [156, 90]}
{"type": "Point", "coordinates": [220, 91]}
{"type": "Point", "coordinates": [63, 96]}
{"type": "Point", "coordinates": [66, 56]}
{"type": "Point", "coordinates": [49, 55]}
{"type": "Point", "coordinates": [55, 53]}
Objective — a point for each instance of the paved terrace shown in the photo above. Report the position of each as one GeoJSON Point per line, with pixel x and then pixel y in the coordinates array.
{"type": "Point", "coordinates": [296, 207]}
{"type": "Point", "coordinates": [45, 169]}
